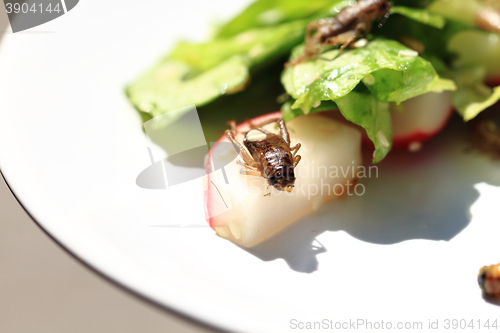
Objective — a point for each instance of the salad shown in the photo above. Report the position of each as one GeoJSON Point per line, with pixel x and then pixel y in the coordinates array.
{"type": "Point", "coordinates": [399, 78]}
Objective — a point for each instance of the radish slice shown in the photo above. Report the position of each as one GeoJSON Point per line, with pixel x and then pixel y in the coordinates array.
{"type": "Point", "coordinates": [422, 118]}
{"type": "Point", "coordinates": [493, 81]}
{"type": "Point", "coordinates": [245, 210]}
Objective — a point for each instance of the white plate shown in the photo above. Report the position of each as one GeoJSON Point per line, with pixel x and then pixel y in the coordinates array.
{"type": "Point", "coordinates": [71, 148]}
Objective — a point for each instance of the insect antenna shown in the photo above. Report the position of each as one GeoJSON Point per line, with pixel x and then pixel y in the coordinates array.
{"type": "Point", "coordinates": [384, 19]}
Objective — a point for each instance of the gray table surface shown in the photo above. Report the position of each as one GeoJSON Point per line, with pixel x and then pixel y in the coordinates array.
{"type": "Point", "coordinates": [45, 289]}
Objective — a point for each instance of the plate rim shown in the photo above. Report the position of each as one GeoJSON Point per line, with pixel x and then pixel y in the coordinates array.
{"type": "Point", "coordinates": [115, 283]}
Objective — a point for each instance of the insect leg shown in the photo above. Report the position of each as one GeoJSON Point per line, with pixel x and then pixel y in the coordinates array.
{"type": "Point", "coordinates": [341, 38]}
{"type": "Point", "coordinates": [312, 47]}
{"type": "Point", "coordinates": [250, 172]}
{"type": "Point", "coordinates": [295, 149]}
{"type": "Point", "coordinates": [361, 27]}
{"type": "Point", "coordinates": [312, 26]}
{"type": "Point", "coordinates": [296, 160]}
{"type": "Point", "coordinates": [264, 123]}
{"type": "Point", "coordinates": [324, 22]}
{"type": "Point", "coordinates": [267, 122]}
{"type": "Point", "coordinates": [246, 156]}
{"type": "Point", "coordinates": [281, 127]}
{"type": "Point", "coordinates": [253, 167]}
{"type": "Point", "coordinates": [232, 124]}
{"type": "Point", "coordinates": [283, 131]}
{"type": "Point", "coordinates": [310, 50]}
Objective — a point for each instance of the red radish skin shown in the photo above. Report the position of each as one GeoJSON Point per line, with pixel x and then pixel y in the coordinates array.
{"type": "Point", "coordinates": [208, 190]}
{"type": "Point", "coordinates": [422, 118]}
{"type": "Point", "coordinates": [259, 211]}
{"type": "Point", "coordinates": [493, 81]}
{"type": "Point", "coordinates": [420, 136]}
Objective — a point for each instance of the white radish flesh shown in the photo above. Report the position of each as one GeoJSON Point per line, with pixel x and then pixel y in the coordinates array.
{"type": "Point", "coordinates": [248, 210]}
{"type": "Point", "coordinates": [420, 119]}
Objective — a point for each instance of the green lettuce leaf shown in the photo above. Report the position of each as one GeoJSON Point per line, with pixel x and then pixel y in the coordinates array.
{"type": "Point", "coordinates": [420, 15]}
{"type": "Point", "coordinates": [287, 113]}
{"type": "Point", "coordinates": [263, 44]}
{"type": "Point", "coordinates": [475, 47]}
{"type": "Point", "coordinates": [163, 88]}
{"type": "Point", "coordinates": [365, 110]}
{"type": "Point", "coordinates": [263, 13]}
{"type": "Point", "coordinates": [397, 86]}
{"type": "Point", "coordinates": [458, 10]}
{"type": "Point", "coordinates": [472, 95]}
{"type": "Point", "coordinates": [413, 3]}
{"type": "Point", "coordinates": [336, 73]}
{"type": "Point", "coordinates": [361, 108]}
{"type": "Point", "coordinates": [199, 73]}
{"type": "Point", "coordinates": [430, 41]}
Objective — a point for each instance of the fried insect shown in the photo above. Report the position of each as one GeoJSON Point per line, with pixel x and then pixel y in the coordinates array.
{"type": "Point", "coordinates": [489, 280]}
{"type": "Point", "coordinates": [486, 135]}
{"type": "Point", "coordinates": [344, 28]}
{"type": "Point", "coordinates": [267, 154]}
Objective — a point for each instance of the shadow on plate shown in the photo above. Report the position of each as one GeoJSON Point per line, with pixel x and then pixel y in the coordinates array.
{"type": "Point", "coordinates": [424, 195]}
